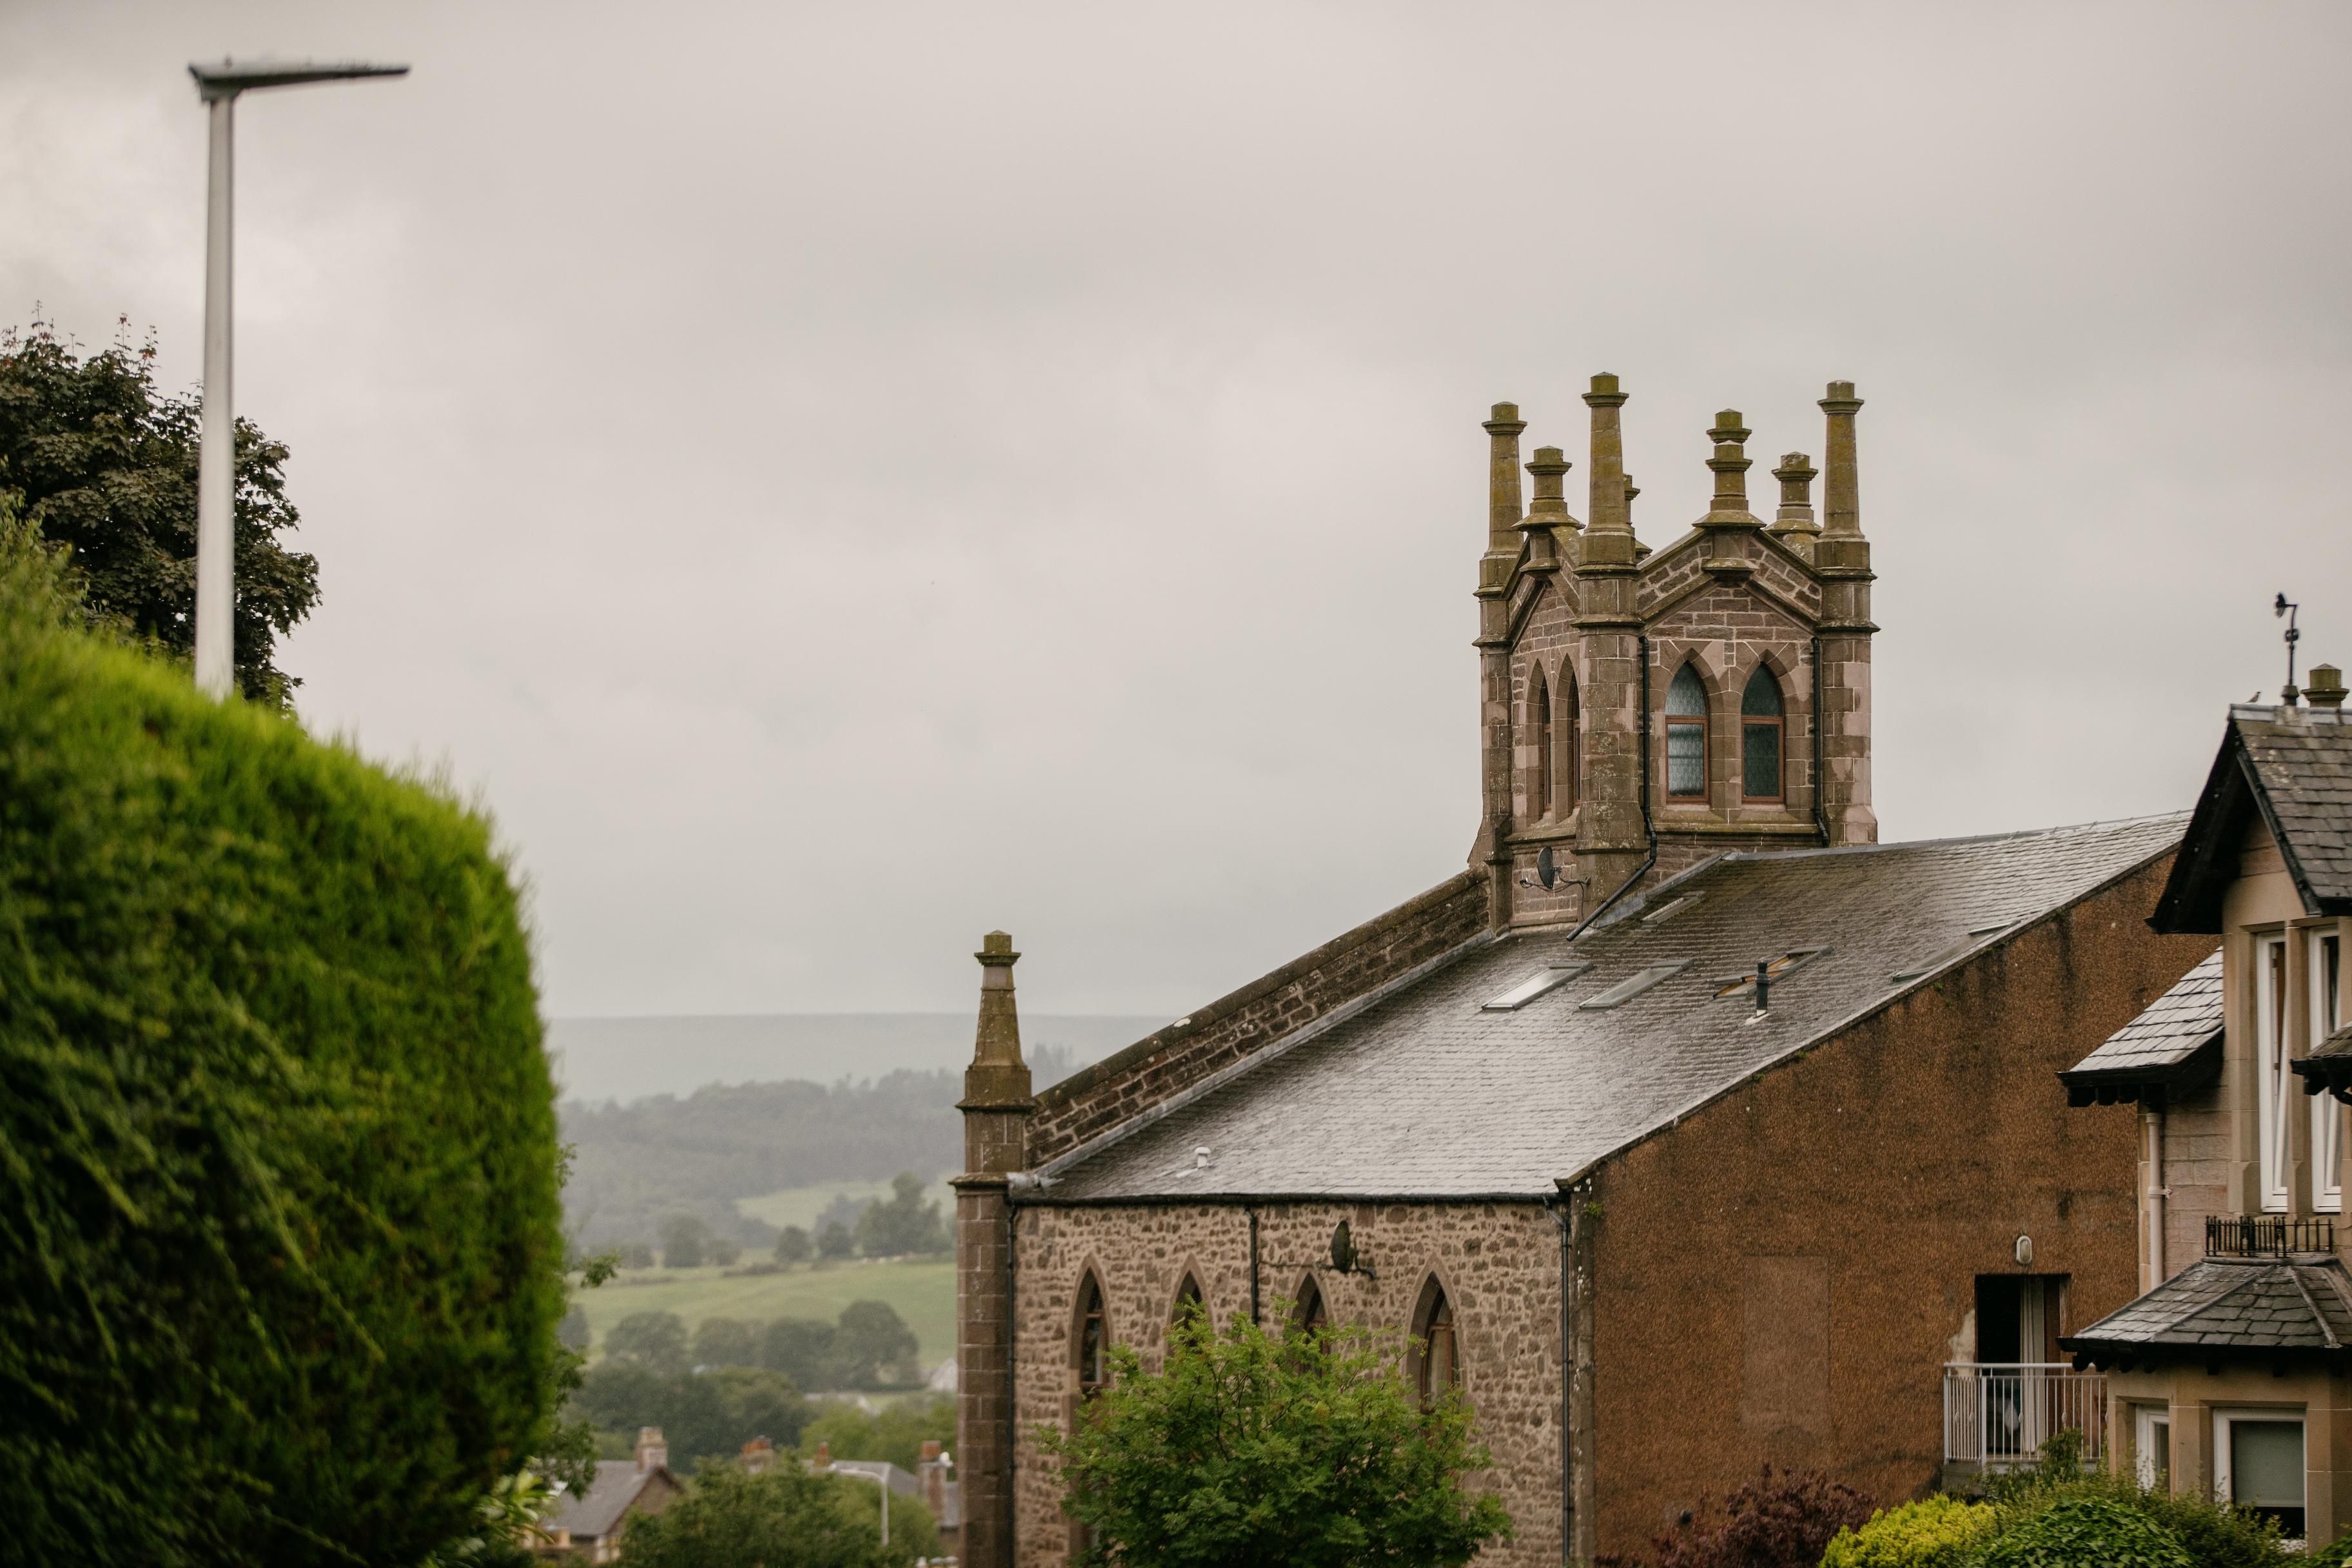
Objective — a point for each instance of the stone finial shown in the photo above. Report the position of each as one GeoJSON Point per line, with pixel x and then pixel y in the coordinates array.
{"type": "Point", "coordinates": [1549, 509]}
{"type": "Point", "coordinates": [1730, 464]}
{"type": "Point", "coordinates": [998, 1044]}
{"type": "Point", "coordinates": [1842, 497]}
{"type": "Point", "coordinates": [1640, 551]}
{"type": "Point", "coordinates": [2327, 688]}
{"type": "Point", "coordinates": [1503, 479]}
{"type": "Point", "coordinates": [1608, 540]}
{"type": "Point", "coordinates": [1794, 525]}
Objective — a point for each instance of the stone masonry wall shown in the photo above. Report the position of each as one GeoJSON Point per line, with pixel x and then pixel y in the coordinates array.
{"type": "Point", "coordinates": [1782, 1276]}
{"type": "Point", "coordinates": [1234, 1027]}
{"type": "Point", "coordinates": [1500, 1264]}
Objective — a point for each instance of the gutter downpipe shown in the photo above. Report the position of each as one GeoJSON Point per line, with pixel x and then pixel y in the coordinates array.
{"type": "Point", "coordinates": [2156, 1195]}
{"type": "Point", "coordinates": [1648, 826]}
{"type": "Point", "coordinates": [1821, 817]}
{"type": "Point", "coordinates": [1567, 1380]}
{"type": "Point", "coordinates": [1251, 1212]}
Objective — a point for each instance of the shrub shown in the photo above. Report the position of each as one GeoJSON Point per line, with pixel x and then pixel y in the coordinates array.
{"type": "Point", "coordinates": [1787, 1523]}
{"type": "Point", "coordinates": [785, 1517]}
{"type": "Point", "coordinates": [279, 1244]}
{"type": "Point", "coordinates": [653, 1340]}
{"type": "Point", "coordinates": [2335, 1555]}
{"type": "Point", "coordinates": [2086, 1529]}
{"type": "Point", "coordinates": [1940, 1532]}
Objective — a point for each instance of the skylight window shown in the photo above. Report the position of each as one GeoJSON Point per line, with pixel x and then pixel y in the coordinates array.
{"type": "Point", "coordinates": [1665, 913]}
{"type": "Point", "coordinates": [1541, 982]}
{"type": "Point", "coordinates": [1951, 953]}
{"type": "Point", "coordinates": [1625, 989]}
{"type": "Point", "coordinates": [1745, 984]}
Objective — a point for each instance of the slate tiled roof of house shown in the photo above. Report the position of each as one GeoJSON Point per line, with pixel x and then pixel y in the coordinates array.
{"type": "Point", "coordinates": [2175, 1043]}
{"type": "Point", "coordinates": [2292, 767]}
{"type": "Point", "coordinates": [594, 1513]}
{"type": "Point", "coordinates": [1425, 1093]}
{"type": "Point", "coordinates": [2338, 1044]}
{"type": "Point", "coordinates": [2298, 1305]}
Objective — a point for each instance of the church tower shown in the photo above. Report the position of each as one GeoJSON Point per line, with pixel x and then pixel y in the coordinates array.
{"type": "Point", "coordinates": [1644, 709]}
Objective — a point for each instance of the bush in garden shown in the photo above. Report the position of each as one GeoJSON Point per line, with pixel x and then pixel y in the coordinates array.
{"type": "Point", "coordinates": [1940, 1532]}
{"type": "Point", "coordinates": [783, 1517]}
{"type": "Point", "coordinates": [2082, 1530]}
{"type": "Point", "coordinates": [1766, 1523]}
{"type": "Point", "coordinates": [279, 1237]}
{"type": "Point", "coordinates": [2214, 1534]}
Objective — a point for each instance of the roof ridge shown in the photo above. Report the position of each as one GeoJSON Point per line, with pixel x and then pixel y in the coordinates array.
{"type": "Point", "coordinates": [1939, 842]}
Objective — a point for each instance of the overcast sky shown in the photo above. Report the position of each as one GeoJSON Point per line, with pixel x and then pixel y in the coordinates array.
{"type": "Point", "coordinates": [836, 479]}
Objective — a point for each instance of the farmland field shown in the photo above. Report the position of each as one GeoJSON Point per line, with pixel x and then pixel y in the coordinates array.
{"type": "Point", "coordinates": [922, 1291]}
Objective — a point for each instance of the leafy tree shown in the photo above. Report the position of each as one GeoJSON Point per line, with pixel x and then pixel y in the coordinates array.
{"type": "Point", "coordinates": [792, 1246]}
{"type": "Point", "coordinates": [651, 1340]}
{"type": "Point", "coordinates": [684, 1239]}
{"type": "Point", "coordinates": [635, 1255]}
{"type": "Point", "coordinates": [835, 1241]}
{"type": "Point", "coordinates": [704, 1416]}
{"type": "Point", "coordinates": [904, 1224]}
{"type": "Point", "coordinates": [800, 1348]}
{"type": "Point", "coordinates": [104, 463]}
{"type": "Point", "coordinates": [1305, 1450]}
{"type": "Point", "coordinates": [873, 1348]}
{"type": "Point", "coordinates": [785, 1517]}
{"type": "Point", "coordinates": [897, 1434]}
{"type": "Point", "coordinates": [726, 1341]}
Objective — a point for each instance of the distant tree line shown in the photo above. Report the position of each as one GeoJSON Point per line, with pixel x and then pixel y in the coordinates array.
{"type": "Point", "coordinates": [898, 1227]}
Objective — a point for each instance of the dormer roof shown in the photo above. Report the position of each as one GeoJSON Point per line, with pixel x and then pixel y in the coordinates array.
{"type": "Point", "coordinates": [2295, 1308]}
{"type": "Point", "coordinates": [2294, 767]}
{"type": "Point", "coordinates": [2173, 1047]}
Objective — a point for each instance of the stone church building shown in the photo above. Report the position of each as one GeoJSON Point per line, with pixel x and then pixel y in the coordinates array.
{"type": "Point", "coordinates": [1687, 1129]}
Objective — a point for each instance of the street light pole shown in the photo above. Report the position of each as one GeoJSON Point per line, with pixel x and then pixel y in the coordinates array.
{"type": "Point", "coordinates": [218, 86]}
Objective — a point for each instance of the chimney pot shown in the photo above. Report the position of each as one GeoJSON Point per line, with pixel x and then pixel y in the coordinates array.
{"type": "Point", "coordinates": [2327, 688]}
{"type": "Point", "coordinates": [931, 1451]}
{"type": "Point", "coordinates": [824, 1454]}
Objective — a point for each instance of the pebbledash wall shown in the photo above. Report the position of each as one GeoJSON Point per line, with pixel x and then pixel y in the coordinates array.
{"type": "Point", "coordinates": [1498, 1263]}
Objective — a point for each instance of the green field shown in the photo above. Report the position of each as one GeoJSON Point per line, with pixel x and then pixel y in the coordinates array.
{"type": "Point", "coordinates": [922, 1292]}
{"type": "Point", "coordinates": [801, 1206]}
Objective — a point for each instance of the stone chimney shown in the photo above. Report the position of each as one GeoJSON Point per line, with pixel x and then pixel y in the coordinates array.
{"type": "Point", "coordinates": [2327, 688]}
{"type": "Point", "coordinates": [1611, 839]}
{"type": "Point", "coordinates": [1794, 525]}
{"type": "Point", "coordinates": [1842, 557]}
{"type": "Point", "coordinates": [931, 1481]}
{"type": "Point", "coordinates": [652, 1452]}
{"type": "Point", "coordinates": [758, 1456]}
{"type": "Point", "coordinates": [996, 1107]}
{"type": "Point", "coordinates": [824, 1460]}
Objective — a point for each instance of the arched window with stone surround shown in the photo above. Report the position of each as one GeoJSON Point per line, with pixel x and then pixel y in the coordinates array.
{"type": "Point", "coordinates": [1687, 735]}
{"type": "Point", "coordinates": [1188, 1299]}
{"type": "Point", "coordinates": [1762, 756]}
{"type": "Point", "coordinates": [1540, 783]}
{"type": "Point", "coordinates": [1311, 1314]}
{"type": "Point", "coordinates": [1566, 791]}
{"type": "Point", "coordinates": [1092, 1340]}
{"type": "Point", "coordinates": [1437, 1368]}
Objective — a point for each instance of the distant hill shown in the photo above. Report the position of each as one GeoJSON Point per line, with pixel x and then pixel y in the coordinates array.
{"type": "Point", "coordinates": [837, 1100]}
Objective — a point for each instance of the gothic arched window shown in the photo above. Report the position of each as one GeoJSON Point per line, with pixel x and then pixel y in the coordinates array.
{"type": "Point", "coordinates": [1686, 736]}
{"type": "Point", "coordinates": [1188, 1301]}
{"type": "Point", "coordinates": [1094, 1340]}
{"type": "Point", "coordinates": [1312, 1313]}
{"type": "Point", "coordinates": [1539, 787]}
{"type": "Point", "coordinates": [1440, 1369]}
{"type": "Point", "coordinates": [1760, 727]}
{"type": "Point", "coordinates": [1571, 740]}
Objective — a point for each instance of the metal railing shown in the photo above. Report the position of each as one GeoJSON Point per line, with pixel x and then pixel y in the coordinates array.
{"type": "Point", "coordinates": [2267, 1235]}
{"type": "Point", "coordinates": [1997, 1415]}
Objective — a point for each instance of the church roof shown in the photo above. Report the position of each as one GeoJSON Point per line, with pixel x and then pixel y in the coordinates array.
{"type": "Point", "coordinates": [2176, 1044]}
{"type": "Point", "coordinates": [1453, 1086]}
{"type": "Point", "coordinates": [2294, 766]}
{"type": "Point", "coordinates": [2298, 1305]}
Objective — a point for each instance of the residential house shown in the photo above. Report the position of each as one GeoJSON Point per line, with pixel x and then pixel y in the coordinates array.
{"type": "Point", "coordinates": [595, 1521]}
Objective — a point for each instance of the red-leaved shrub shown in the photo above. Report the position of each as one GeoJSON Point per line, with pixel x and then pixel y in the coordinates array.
{"type": "Point", "coordinates": [1767, 1523]}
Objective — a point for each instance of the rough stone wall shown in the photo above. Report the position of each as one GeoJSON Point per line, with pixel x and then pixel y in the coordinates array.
{"type": "Point", "coordinates": [1499, 1264]}
{"type": "Point", "coordinates": [1782, 1277]}
{"type": "Point", "coordinates": [1237, 1025]}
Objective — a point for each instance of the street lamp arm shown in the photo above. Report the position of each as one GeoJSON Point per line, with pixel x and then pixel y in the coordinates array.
{"type": "Point", "coordinates": [230, 78]}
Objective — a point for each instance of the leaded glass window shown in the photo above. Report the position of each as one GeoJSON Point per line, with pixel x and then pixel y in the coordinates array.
{"type": "Point", "coordinates": [1760, 727]}
{"type": "Point", "coordinates": [1687, 735]}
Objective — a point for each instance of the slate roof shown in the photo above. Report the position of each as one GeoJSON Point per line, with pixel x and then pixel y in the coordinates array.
{"type": "Point", "coordinates": [2176, 1044]}
{"type": "Point", "coordinates": [2293, 765]}
{"type": "Point", "coordinates": [1424, 1094]}
{"type": "Point", "coordinates": [595, 1512]}
{"type": "Point", "coordinates": [2229, 1309]}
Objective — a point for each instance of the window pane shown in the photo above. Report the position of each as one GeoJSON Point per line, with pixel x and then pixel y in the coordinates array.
{"type": "Point", "coordinates": [2266, 1463]}
{"type": "Point", "coordinates": [1686, 698]}
{"type": "Point", "coordinates": [1762, 698]}
{"type": "Point", "coordinates": [1759, 764]}
{"type": "Point", "coordinates": [1686, 759]}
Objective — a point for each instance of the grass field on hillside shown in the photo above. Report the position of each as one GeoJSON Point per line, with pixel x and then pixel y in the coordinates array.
{"type": "Point", "coordinates": [922, 1292]}
{"type": "Point", "coordinates": [801, 1206]}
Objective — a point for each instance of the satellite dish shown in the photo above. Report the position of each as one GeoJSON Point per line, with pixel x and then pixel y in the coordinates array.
{"type": "Point", "coordinates": [1343, 1249]}
{"type": "Point", "coordinates": [1546, 867]}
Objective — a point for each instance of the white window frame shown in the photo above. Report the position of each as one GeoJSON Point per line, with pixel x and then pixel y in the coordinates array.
{"type": "Point", "coordinates": [2224, 1483]}
{"type": "Point", "coordinates": [2273, 1082]}
{"type": "Point", "coordinates": [2327, 1115]}
{"type": "Point", "coordinates": [2146, 1418]}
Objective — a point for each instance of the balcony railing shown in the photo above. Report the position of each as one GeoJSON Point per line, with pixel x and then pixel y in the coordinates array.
{"type": "Point", "coordinates": [2267, 1235]}
{"type": "Point", "coordinates": [1997, 1415]}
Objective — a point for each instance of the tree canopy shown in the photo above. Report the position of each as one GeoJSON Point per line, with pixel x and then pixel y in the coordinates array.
{"type": "Point", "coordinates": [784, 1518]}
{"type": "Point", "coordinates": [904, 1223]}
{"type": "Point", "coordinates": [1305, 1448]}
{"type": "Point", "coordinates": [104, 463]}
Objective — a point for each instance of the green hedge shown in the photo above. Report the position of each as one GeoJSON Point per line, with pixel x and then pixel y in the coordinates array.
{"type": "Point", "coordinates": [279, 1244]}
